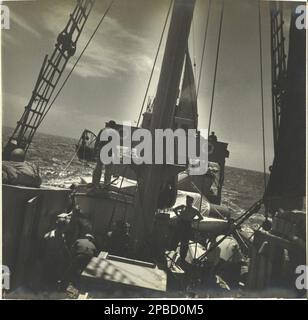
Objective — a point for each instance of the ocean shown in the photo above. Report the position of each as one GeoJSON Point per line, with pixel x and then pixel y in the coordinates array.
{"type": "Point", "coordinates": [59, 166]}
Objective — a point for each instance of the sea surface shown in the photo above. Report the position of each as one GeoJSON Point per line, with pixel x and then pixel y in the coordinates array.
{"type": "Point", "coordinates": [59, 166]}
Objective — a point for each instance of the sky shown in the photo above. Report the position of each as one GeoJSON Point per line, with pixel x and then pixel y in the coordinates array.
{"type": "Point", "coordinates": [112, 76]}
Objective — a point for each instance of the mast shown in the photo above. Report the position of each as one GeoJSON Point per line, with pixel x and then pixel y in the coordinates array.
{"type": "Point", "coordinates": [186, 114]}
{"type": "Point", "coordinates": [287, 185]}
{"type": "Point", "coordinates": [151, 177]}
{"type": "Point", "coordinates": [48, 79]}
{"type": "Point", "coordinates": [279, 66]}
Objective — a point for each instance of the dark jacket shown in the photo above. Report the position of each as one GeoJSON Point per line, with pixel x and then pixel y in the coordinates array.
{"type": "Point", "coordinates": [84, 247]}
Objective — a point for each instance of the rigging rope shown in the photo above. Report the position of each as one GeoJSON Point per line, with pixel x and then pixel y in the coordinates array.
{"type": "Point", "coordinates": [70, 162]}
{"type": "Point", "coordinates": [204, 43]}
{"type": "Point", "coordinates": [154, 64]}
{"type": "Point", "coordinates": [148, 87]}
{"type": "Point", "coordinates": [80, 56]}
{"type": "Point", "coordinates": [194, 47]}
{"type": "Point", "coordinates": [199, 81]}
{"type": "Point", "coordinates": [150, 79]}
{"type": "Point", "coordinates": [216, 65]}
{"type": "Point", "coordinates": [237, 223]}
{"type": "Point", "coordinates": [75, 154]}
{"type": "Point", "coordinates": [262, 98]}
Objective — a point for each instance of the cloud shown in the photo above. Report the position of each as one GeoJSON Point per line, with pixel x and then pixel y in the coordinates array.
{"type": "Point", "coordinates": [13, 106]}
{"type": "Point", "coordinates": [114, 51]}
{"type": "Point", "coordinates": [7, 37]}
{"type": "Point", "coordinates": [56, 122]}
{"type": "Point", "coordinates": [18, 20]}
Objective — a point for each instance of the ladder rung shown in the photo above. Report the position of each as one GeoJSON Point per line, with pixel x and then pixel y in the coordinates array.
{"type": "Point", "coordinates": [41, 97]}
{"type": "Point", "coordinates": [54, 66]}
{"type": "Point", "coordinates": [37, 112]}
{"type": "Point", "coordinates": [48, 82]}
{"type": "Point", "coordinates": [279, 46]}
{"type": "Point", "coordinates": [85, 7]}
{"type": "Point", "coordinates": [278, 28]}
{"type": "Point", "coordinates": [278, 66]}
{"type": "Point", "coordinates": [82, 10]}
{"type": "Point", "coordinates": [25, 125]}
{"type": "Point", "coordinates": [75, 25]}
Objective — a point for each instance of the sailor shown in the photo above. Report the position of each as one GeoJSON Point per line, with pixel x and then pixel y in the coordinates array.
{"type": "Point", "coordinates": [20, 172]}
{"type": "Point", "coordinates": [80, 224]}
{"type": "Point", "coordinates": [83, 250]}
{"type": "Point", "coordinates": [186, 215]}
{"type": "Point", "coordinates": [55, 253]}
{"type": "Point", "coordinates": [97, 173]}
{"type": "Point", "coordinates": [119, 238]}
{"type": "Point", "coordinates": [71, 198]}
{"type": "Point", "coordinates": [213, 137]}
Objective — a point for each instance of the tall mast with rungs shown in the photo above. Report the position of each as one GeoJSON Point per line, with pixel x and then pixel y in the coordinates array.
{"type": "Point", "coordinates": [286, 188]}
{"type": "Point", "coordinates": [48, 78]}
{"type": "Point", "coordinates": [279, 66]}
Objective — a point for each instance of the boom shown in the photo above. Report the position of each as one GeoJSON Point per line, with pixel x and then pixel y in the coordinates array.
{"type": "Point", "coordinates": [48, 78]}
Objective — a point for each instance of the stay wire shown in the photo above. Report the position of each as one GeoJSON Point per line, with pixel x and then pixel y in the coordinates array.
{"type": "Point", "coordinates": [216, 66]}
{"type": "Point", "coordinates": [154, 64]}
{"type": "Point", "coordinates": [262, 98]}
{"type": "Point", "coordinates": [203, 48]}
{"type": "Point", "coordinates": [77, 61]}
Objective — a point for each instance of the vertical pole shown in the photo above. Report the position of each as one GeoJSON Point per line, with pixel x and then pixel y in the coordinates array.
{"type": "Point", "coordinates": [151, 176]}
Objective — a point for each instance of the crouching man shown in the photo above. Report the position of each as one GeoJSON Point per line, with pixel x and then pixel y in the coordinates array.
{"type": "Point", "coordinates": [83, 250]}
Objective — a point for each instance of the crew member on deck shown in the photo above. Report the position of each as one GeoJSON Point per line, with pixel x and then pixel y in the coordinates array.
{"type": "Point", "coordinates": [213, 137]}
{"type": "Point", "coordinates": [97, 173]}
{"type": "Point", "coordinates": [186, 215]}
{"type": "Point", "coordinates": [55, 254]}
{"type": "Point", "coordinates": [83, 250]}
{"type": "Point", "coordinates": [118, 239]}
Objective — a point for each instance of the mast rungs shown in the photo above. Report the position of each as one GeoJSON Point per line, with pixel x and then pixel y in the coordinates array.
{"type": "Point", "coordinates": [278, 28]}
{"type": "Point", "coordinates": [28, 126]}
{"type": "Point", "coordinates": [275, 13]}
{"type": "Point", "coordinates": [54, 66]}
{"type": "Point", "coordinates": [82, 10]}
{"type": "Point", "coordinates": [37, 112]}
{"type": "Point", "coordinates": [34, 111]}
{"type": "Point", "coordinates": [48, 82]}
{"type": "Point", "coordinates": [75, 25]}
{"type": "Point", "coordinates": [41, 97]}
{"type": "Point", "coordinates": [279, 46]}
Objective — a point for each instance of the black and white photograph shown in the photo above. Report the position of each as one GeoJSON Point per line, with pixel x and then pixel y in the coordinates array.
{"type": "Point", "coordinates": [153, 149]}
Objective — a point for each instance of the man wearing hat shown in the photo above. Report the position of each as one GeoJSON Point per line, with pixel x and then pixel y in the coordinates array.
{"type": "Point", "coordinates": [83, 251]}
{"type": "Point", "coordinates": [55, 252]}
{"type": "Point", "coordinates": [186, 215]}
